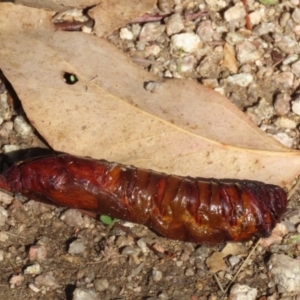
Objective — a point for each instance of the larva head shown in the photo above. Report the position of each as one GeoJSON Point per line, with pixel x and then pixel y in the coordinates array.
{"type": "Point", "coordinates": [266, 203]}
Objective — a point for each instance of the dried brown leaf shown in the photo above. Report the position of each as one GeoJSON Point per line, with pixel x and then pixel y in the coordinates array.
{"type": "Point", "coordinates": [184, 128]}
{"type": "Point", "coordinates": [113, 14]}
{"type": "Point", "coordinates": [229, 60]}
{"type": "Point", "coordinates": [58, 5]}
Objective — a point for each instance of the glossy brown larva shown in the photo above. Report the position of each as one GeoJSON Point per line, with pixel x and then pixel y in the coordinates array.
{"type": "Point", "coordinates": [204, 211]}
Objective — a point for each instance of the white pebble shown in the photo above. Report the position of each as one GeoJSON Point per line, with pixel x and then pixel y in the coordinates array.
{"type": "Point", "coordinates": [6, 198]}
{"type": "Point", "coordinates": [188, 42]}
{"type": "Point", "coordinates": [290, 59]}
{"type": "Point", "coordinates": [284, 79]}
{"type": "Point", "coordinates": [284, 139]}
{"type": "Point", "coordinates": [143, 245]}
{"type": "Point", "coordinates": [174, 24]}
{"type": "Point", "coordinates": [151, 32]}
{"type": "Point", "coordinates": [22, 127]}
{"type": "Point", "coordinates": [72, 217]}
{"type": "Point", "coordinates": [46, 280]}
{"type": "Point", "coordinates": [84, 294]}
{"type": "Point", "coordinates": [296, 68]}
{"type": "Point", "coordinates": [157, 275]}
{"type": "Point", "coordinates": [152, 50]}
{"type": "Point", "coordinates": [296, 15]}
{"type": "Point", "coordinates": [3, 237]}
{"type": "Point", "coordinates": [242, 292]}
{"type": "Point", "coordinates": [33, 269]}
{"type": "Point", "coordinates": [235, 12]}
{"type": "Point", "coordinates": [3, 216]}
{"type": "Point", "coordinates": [233, 260]}
{"type": "Point", "coordinates": [216, 5]}
{"type": "Point", "coordinates": [286, 44]}
{"type": "Point", "coordinates": [33, 288]}
{"type": "Point", "coordinates": [284, 122]}
{"type": "Point", "coordinates": [101, 284]}
{"type": "Point", "coordinates": [242, 79]}
{"type": "Point", "coordinates": [205, 30]}
{"type": "Point", "coordinates": [248, 52]}
{"type": "Point", "coordinates": [296, 106]}
{"type": "Point", "coordinates": [1, 255]}
{"type": "Point", "coordinates": [10, 148]}
{"type": "Point", "coordinates": [264, 28]}
{"type": "Point", "coordinates": [126, 34]}
{"type": "Point", "coordinates": [256, 16]}
{"type": "Point", "coordinates": [286, 273]}
{"type": "Point", "coordinates": [77, 247]}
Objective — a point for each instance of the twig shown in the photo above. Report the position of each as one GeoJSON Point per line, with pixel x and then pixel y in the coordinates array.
{"type": "Point", "coordinates": [218, 283]}
{"type": "Point", "coordinates": [240, 268]}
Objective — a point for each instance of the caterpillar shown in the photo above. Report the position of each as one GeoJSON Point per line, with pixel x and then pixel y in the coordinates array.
{"type": "Point", "coordinates": [204, 211]}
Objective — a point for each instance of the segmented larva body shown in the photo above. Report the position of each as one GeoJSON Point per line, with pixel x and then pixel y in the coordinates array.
{"type": "Point", "coordinates": [205, 211]}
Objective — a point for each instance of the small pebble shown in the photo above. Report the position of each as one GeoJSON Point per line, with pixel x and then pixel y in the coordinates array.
{"type": "Point", "coordinates": [46, 280]}
{"type": "Point", "coordinates": [131, 250]}
{"type": "Point", "coordinates": [199, 285]}
{"type": "Point", "coordinates": [284, 80]}
{"type": "Point", "coordinates": [282, 104]}
{"type": "Point", "coordinates": [33, 269]}
{"type": "Point", "coordinates": [174, 24]}
{"type": "Point", "coordinates": [233, 260]}
{"type": "Point", "coordinates": [153, 86]}
{"type": "Point", "coordinates": [84, 294]}
{"type": "Point", "coordinates": [6, 198]}
{"type": "Point", "coordinates": [216, 5]}
{"type": "Point", "coordinates": [284, 139]}
{"type": "Point", "coordinates": [296, 15]}
{"type": "Point", "coordinates": [242, 79]}
{"type": "Point", "coordinates": [284, 122]}
{"type": "Point", "coordinates": [187, 42]}
{"type": "Point", "coordinates": [248, 52]}
{"type": "Point", "coordinates": [290, 59]}
{"type": "Point", "coordinates": [3, 216]}
{"type": "Point", "coordinates": [285, 271]}
{"type": "Point", "coordinates": [37, 252]}
{"type": "Point", "coordinates": [101, 284]}
{"type": "Point", "coordinates": [157, 275]}
{"type": "Point", "coordinates": [189, 272]}
{"type": "Point", "coordinates": [287, 44]}
{"type": "Point", "coordinates": [256, 16]}
{"type": "Point", "coordinates": [34, 288]}
{"type": "Point", "coordinates": [296, 106]}
{"type": "Point", "coordinates": [77, 247]}
{"type": "Point", "coordinates": [72, 217]}
{"type": "Point", "coordinates": [205, 31]}
{"type": "Point", "coordinates": [245, 292]}
{"type": "Point", "coordinates": [138, 269]}
{"type": "Point", "coordinates": [3, 237]}
{"type": "Point", "coordinates": [16, 280]}
{"type": "Point", "coordinates": [296, 68]}
{"type": "Point", "coordinates": [126, 34]}
{"type": "Point", "coordinates": [22, 127]}
{"type": "Point", "coordinates": [143, 245]}
{"type": "Point", "coordinates": [10, 148]}
{"type": "Point", "coordinates": [151, 32]}
{"type": "Point", "coordinates": [264, 28]}
{"type": "Point", "coordinates": [235, 12]}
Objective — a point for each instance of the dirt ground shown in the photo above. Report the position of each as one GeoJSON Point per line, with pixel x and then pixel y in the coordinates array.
{"type": "Point", "coordinates": [50, 252]}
